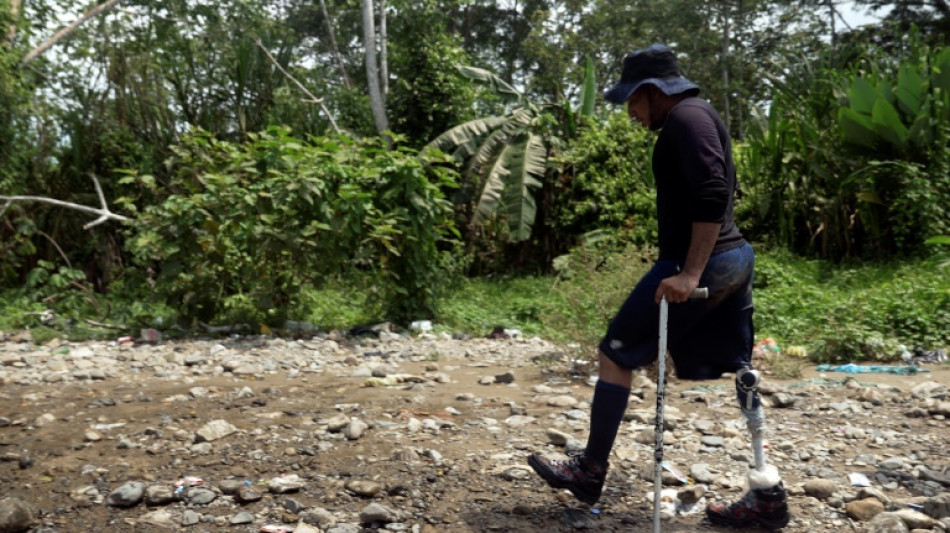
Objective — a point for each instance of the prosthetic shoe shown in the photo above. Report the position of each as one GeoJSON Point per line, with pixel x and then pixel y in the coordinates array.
{"type": "Point", "coordinates": [765, 505]}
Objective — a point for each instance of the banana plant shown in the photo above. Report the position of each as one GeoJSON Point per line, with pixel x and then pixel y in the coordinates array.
{"type": "Point", "coordinates": [902, 117]}
{"type": "Point", "coordinates": [505, 157]}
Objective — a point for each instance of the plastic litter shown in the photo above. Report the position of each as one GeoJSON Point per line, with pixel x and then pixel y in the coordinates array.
{"type": "Point", "coordinates": [151, 335]}
{"type": "Point", "coordinates": [189, 481]}
{"type": "Point", "coordinates": [859, 480]}
{"type": "Point", "coordinates": [765, 348]}
{"type": "Point", "coordinates": [671, 469]}
{"type": "Point", "coordinates": [277, 528]}
{"type": "Point", "coordinates": [874, 369]}
{"type": "Point", "coordinates": [423, 326]}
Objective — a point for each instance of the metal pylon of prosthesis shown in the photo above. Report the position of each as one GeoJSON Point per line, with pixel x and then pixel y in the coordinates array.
{"type": "Point", "coordinates": [747, 391]}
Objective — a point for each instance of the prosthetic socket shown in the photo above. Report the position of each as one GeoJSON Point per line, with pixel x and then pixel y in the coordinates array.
{"type": "Point", "coordinates": [747, 391]}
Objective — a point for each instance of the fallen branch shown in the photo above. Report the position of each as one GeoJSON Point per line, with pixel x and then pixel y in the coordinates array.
{"type": "Point", "coordinates": [103, 212]}
{"type": "Point", "coordinates": [106, 326]}
{"type": "Point", "coordinates": [313, 99]}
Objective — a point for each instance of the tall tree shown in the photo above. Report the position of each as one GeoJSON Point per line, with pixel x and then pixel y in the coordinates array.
{"type": "Point", "coordinates": [376, 98]}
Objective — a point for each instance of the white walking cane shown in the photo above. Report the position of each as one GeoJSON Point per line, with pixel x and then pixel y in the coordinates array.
{"type": "Point", "coordinates": [701, 292]}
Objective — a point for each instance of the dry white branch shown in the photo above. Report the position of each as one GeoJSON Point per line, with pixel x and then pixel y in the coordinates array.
{"type": "Point", "coordinates": [313, 98]}
{"type": "Point", "coordinates": [103, 212]}
{"type": "Point", "coordinates": [68, 29]}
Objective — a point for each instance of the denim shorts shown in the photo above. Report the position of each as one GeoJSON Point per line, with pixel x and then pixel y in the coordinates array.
{"type": "Point", "coordinates": [705, 337]}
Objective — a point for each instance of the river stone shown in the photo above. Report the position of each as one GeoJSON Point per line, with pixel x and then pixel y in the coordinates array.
{"type": "Point", "coordinates": [915, 519]}
{"type": "Point", "coordinates": [190, 518]}
{"type": "Point", "coordinates": [247, 494]}
{"type": "Point", "coordinates": [243, 517]}
{"type": "Point", "coordinates": [375, 512]}
{"type": "Point", "coordinates": [864, 510]}
{"type": "Point", "coordinates": [159, 495]}
{"type": "Point", "coordinates": [285, 484]}
{"type": "Point", "coordinates": [364, 488]}
{"type": "Point", "coordinates": [15, 515]}
{"type": "Point", "coordinates": [887, 523]}
{"type": "Point", "coordinates": [231, 486]}
{"type": "Point", "coordinates": [161, 518]}
{"type": "Point", "coordinates": [319, 517]}
{"type": "Point", "coordinates": [355, 429]}
{"type": "Point", "coordinates": [938, 507]}
{"type": "Point", "coordinates": [127, 495]}
{"type": "Point", "coordinates": [557, 438]}
{"type": "Point", "coordinates": [214, 430]}
{"type": "Point", "coordinates": [199, 496]}
{"type": "Point", "coordinates": [820, 488]}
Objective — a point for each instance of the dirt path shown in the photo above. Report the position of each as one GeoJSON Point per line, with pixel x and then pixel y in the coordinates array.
{"type": "Point", "coordinates": [446, 452]}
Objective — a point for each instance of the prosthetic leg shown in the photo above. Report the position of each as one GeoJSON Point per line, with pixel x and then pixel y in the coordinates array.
{"type": "Point", "coordinates": [765, 504]}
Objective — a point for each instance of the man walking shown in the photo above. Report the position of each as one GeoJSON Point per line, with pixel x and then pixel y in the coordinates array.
{"type": "Point", "coordinates": [700, 245]}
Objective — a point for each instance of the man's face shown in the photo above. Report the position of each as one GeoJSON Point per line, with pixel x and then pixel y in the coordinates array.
{"type": "Point", "coordinates": [638, 106]}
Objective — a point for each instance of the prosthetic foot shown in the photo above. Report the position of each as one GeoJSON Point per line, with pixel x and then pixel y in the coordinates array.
{"type": "Point", "coordinates": [765, 504]}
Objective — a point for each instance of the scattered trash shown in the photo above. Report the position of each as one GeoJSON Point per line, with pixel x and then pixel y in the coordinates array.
{"type": "Point", "coordinates": [422, 326]}
{"type": "Point", "coordinates": [796, 351]}
{"type": "Point", "coordinates": [277, 528]}
{"type": "Point", "coordinates": [595, 511]}
{"type": "Point", "coordinates": [916, 507]}
{"type": "Point", "coordinates": [189, 481]}
{"type": "Point", "coordinates": [151, 335]}
{"type": "Point", "coordinates": [827, 382]}
{"type": "Point", "coordinates": [923, 356]}
{"type": "Point", "coordinates": [765, 348]}
{"type": "Point", "coordinates": [107, 427]}
{"type": "Point", "coordinates": [876, 369]}
{"type": "Point", "coordinates": [125, 340]}
{"type": "Point", "coordinates": [501, 332]}
{"type": "Point", "coordinates": [859, 480]}
{"type": "Point", "coordinates": [671, 469]}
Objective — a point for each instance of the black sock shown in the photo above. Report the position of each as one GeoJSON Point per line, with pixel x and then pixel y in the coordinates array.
{"type": "Point", "coordinates": [606, 414]}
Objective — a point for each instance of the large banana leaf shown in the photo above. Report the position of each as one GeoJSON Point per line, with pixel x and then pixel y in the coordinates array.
{"type": "Point", "coordinates": [462, 139]}
{"type": "Point", "coordinates": [941, 71]}
{"type": "Point", "coordinates": [492, 80]}
{"type": "Point", "coordinates": [862, 96]}
{"type": "Point", "coordinates": [910, 90]}
{"type": "Point", "coordinates": [887, 124]}
{"type": "Point", "coordinates": [857, 128]}
{"type": "Point", "coordinates": [495, 176]}
{"type": "Point", "coordinates": [527, 166]}
{"type": "Point", "coordinates": [514, 126]}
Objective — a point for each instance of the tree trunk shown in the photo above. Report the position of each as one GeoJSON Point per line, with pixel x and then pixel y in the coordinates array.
{"type": "Point", "coordinates": [725, 63]}
{"type": "Point", "coordinates": [372, 70]}
{"type": "Point", "coordinates": [336, 49]}
{"type": "Point", "coordinates": [68, 29]}
{"type": "Point", "coordinates": [383, 63]}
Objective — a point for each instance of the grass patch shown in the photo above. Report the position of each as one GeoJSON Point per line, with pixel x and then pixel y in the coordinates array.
{"type": "Point", "coordinates": [838, 313]}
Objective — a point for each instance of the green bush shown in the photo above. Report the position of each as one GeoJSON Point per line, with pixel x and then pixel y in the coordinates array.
{"type": "Point", "coordinates": [240, 228]}
{"type": "Point", "coordinates": [606, 183]}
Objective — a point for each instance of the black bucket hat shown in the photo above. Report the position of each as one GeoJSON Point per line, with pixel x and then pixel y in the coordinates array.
{"type": "Point", "coordinates": [655, 65]}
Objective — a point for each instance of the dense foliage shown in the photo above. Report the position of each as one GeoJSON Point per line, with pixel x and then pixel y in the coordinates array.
{"type": "Point", "coordinates": [245, 226]}
{"type": "Point", "coordinates": [239, 138]}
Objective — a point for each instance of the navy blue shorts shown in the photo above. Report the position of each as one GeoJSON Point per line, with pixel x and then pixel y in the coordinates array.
{"type": "Point", "coordinates": [705, 337]}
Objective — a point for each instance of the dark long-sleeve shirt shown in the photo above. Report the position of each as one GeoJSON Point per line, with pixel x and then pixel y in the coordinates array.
{"type": "Point", "coordinates": [695, 178]}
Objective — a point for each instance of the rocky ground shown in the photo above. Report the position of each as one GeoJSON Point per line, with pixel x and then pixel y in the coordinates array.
{"type": "Point", "coordinates": [337, 434]}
